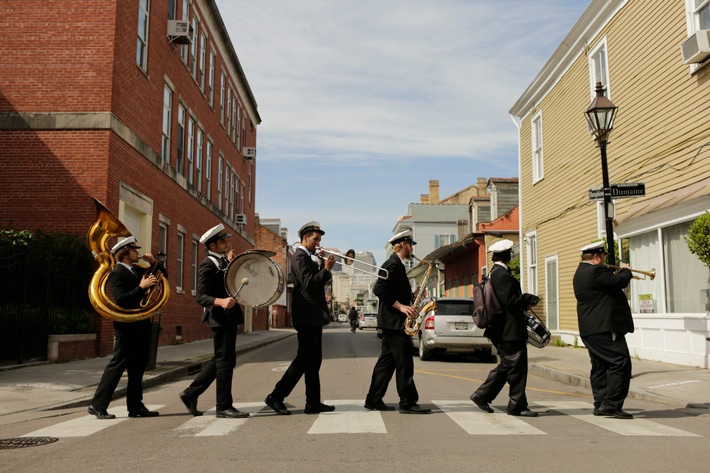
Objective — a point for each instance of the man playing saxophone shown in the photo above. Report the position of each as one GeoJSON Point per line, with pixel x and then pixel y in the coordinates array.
{"type": "Point", "coordinates": [395, 295]}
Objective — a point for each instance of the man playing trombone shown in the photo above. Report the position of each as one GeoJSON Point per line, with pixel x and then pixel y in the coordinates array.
{"type": "Point", "coordinates": [604, 318]}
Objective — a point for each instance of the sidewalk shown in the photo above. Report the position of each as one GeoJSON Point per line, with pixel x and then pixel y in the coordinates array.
{"type": "Point", "coordinates": [63, 385]}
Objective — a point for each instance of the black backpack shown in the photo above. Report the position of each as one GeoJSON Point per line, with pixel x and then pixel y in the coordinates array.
{"type": "Point", "coordinates": [485, 303]}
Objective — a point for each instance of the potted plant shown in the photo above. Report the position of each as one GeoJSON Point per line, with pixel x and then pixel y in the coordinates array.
{"type": "Point", "coordinates": [698, 240]}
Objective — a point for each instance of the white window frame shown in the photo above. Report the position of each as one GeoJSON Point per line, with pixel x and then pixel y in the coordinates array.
{"type": "Point", "coordinates": [692, 14]}
{"type": "Point", "coordinates": [198, 158]}
{"type": "Point", "coordinates": [208, 169]}
{"type": "Point", "coordinates": [220, 163]}
{"type": "Point", "coordinates": [222, 85]}
{"type": "Point", "coordinates": [193, 48]}
{"type": "Point", "coordinates": [599, 50]}
{"type": "Point", "coordinates": [556, 298]}
{"type": "Point", "coordinates": [203, 60]}
{"type": "Point", "coordinates": [180, 148]}
{"type": "Point", "coordinates": [190, 148]}
{"type": "Point", "coordinates": [538, 164]}
{"type": "Point", "coordinates": [142, 41]}
{"type": "Point", "coordinates": [167, 122]}
{"type": "Point", "coordinates": [210, 79]}
{"type": "Point", "coordinates": [531, 262]}
{"type": "Point", "coordinates": [194, 265]}
{"type": "Point", "coordinates": [184, 51]}
{"type": "Point", "coordinates": [180, 261]}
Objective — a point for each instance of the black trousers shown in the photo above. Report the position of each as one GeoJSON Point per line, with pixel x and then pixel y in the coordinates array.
{"type": "Point", "coordinates": [220, 368]}
{"type": "Point", "coordinates": [513, 369]}
{"type": "Point", "coordinates": [307, 363]}
{"type": "Point", "coordinates": [611, 369]}
{"type": "Point", "coordinates": [396, 356]}
{"type": "Point", "coordinates": [130, 353]}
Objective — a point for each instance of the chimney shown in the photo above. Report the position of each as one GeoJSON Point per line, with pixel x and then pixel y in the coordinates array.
{"type": "Point", "coordinates": [423, 198]}
{"type": "Point", "coordinates": [482, 185]}
{"type": "Point", "coordinates": [434, 191]}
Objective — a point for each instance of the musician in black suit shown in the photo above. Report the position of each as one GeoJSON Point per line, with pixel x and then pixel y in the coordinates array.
{"type": "Point", "coordinates": [395, 295]}
{"type": "Point", "coordinates": [128, 285]}
{"type": "Point", "coordinates": [509, 334]}
{"type": "Point", "coordinates": [604, 318]}
{"type": "Point", "coordinates": [223, 315]}
{"type": "Point", "coordinates": [309, 273]}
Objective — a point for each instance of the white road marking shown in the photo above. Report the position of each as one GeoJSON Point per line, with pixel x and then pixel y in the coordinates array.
{"type": "Point", "coordinates": [349, 417]}
{"type": "Point", "coordinates": [208, 425]}
{"type": "Point", "coordinates": [627, 427]}
{"type": "Point", "coordinates": [86, 425]}
{"type": "Point", "coordinates": [476, 422]}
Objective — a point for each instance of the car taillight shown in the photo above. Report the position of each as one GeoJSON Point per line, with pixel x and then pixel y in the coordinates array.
{"type": "Point", "coordinates": [362, 318]}
{"type": "Point", "coordinates": [429, 323]}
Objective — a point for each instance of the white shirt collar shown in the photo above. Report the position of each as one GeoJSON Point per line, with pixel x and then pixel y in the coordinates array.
{"type": "Point", "coordinates": [500, 263]}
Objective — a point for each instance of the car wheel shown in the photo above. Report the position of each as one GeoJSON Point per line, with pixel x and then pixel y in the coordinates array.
{"type": "Point", "coordinates": [424, 352]}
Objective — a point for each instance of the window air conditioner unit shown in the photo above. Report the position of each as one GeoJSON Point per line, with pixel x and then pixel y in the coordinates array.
{"type": "Point", "coordinates": [241, 219]}
{"type": "Point", "coordinates": [179, 31]}
{"type": "Point", "coordinates": [249, 153]}
{"type": "Point", "coordinates": [696, 48]}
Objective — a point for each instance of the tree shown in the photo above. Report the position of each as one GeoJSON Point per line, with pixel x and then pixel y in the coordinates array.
{"type": "Point", "coordinates": [698, 238]}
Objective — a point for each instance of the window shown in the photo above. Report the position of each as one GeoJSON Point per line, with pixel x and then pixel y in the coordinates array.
{"type": "Point", "coordinates": [190, 148]}
{"type": "Point", "coordinates": [186, 17]}
{"type": "Point", "coordinates": [172, 9]}
{"type": "Point", "coordinates": [700, 11]}
{"type": "Point", "coordinates": [163, 238]}
{"type": "Point", "coordinates": [167, 104]}
{"type": "Point", "coordinates": [233, 133]}
{"type": "Point", "coordinates": [203, 59]}
{"type": "Point", "coordinates": [232, 194]}
{"type": "Point", "coordinates": [227, 194]}
{"type": "Point", "coordinates": [551, 295]}
{"type": "Point", "coordinates": [208, 171]}
{"type": "Point", "coordinates": [241, 203]}
{"type": "Point", "coordinates": [179, 270]}
{"type": "Point", "coordinates": [222, 81]}
{"type": "Point", "coordinates": [198, 159]}
{"type": "Point", "coordinates": [229, 109]}
{"type": "Point", "coordinates": [142, 43]}
{"type": "Point", "coordinates": [193, 49]}
{"type": "Point", "coordinates": [598, 70]}
{"type": "Point", "coordinates": [682, 280]}
{"type": "Point", "coordinates": [538, 168]}
{"type": "Point", "coordinates": [180, 140]}
{"type": "Point", "coordinates": [531, 261]}
{"type": "Point", "coordinates": [236, 195]}
{"type": "Point", "coordinates": [443, 240]}
{"type": "Point", "coordinates": [494, 201]}
{"type": "Point", "coordinates": [238, 139]}
{"type": "Point", "coordinates": [219, 181]}
{"type": "Point", "coordinates": [210, 80]}
{"type": "Point", "coordinates": [250, 187]}
{"type": "Point", "coordinates": [195, 253]}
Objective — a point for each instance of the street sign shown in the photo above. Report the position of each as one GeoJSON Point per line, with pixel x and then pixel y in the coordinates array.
{"type": "Point", "coordinates": [619, 191]}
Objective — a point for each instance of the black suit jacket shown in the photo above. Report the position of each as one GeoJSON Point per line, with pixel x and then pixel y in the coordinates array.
{"type": "Point", "coordinates": [127, 293]}
{"type": "Point", "coordinates": [601, 302]}
{"type": "Point", "coordinates": [510, 326]}
{"type": "Point", "coordinates": [395, 288]}
{"type": "Point", "coordinates": [210, 286]}
{"type": "Point", "coordinates": [309, 308]}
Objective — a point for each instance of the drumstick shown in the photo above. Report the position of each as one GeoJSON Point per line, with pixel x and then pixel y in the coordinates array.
{"type": "Point", "coordinates": [245, 282]}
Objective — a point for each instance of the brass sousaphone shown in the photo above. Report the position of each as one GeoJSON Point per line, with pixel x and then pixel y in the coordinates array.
{"type": "Point", "coordinates": [106, 227]}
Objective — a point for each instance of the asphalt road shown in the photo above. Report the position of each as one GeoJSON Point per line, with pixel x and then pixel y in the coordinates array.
{"type": "Point", "coordinates": [456, 437]}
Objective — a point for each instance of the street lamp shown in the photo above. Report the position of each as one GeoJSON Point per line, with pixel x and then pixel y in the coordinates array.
{"type": "Point", "coordinates": [161, 257]}
{"type": "Point", "coordinates": [600, 118]}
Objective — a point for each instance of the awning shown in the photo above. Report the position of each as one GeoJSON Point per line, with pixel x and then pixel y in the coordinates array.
{"type": "Point", "coordinates": [663, 201]}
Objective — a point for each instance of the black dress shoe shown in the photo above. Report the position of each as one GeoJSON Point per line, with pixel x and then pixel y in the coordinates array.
{"type": "Point", "coordinates": [318, 408]}
{"type": "Point", "coordinates": [414, 409]}
{"type": "Point", "coordinates": [618, 414]}
{"type": "Point", "coordinates": [277, 405]}
{"type": "Point", "coordinates": [100, 414]}
{"type": "Point", "coordinates": [481, 403]}
{"type": "Point", "coordinates": [525, 413]}
{"type": "Point", "coordinates": [379, 406]}
{"type": "Point", "coordinates": [143, 411]}
{"type": "Point", "coordinates": [232, 413]}
{"type": "Point", "coordinates": [191, 403]}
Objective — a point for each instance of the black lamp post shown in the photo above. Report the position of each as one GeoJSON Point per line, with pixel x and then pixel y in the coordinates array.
{"type": "Point", "coordinates": [600, 117]}
{"type": "Point", "coordinates": [161, 257]}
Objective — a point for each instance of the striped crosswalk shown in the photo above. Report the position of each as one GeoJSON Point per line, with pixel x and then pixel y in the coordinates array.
{"type": "Point", "coordinates": [350, 417]}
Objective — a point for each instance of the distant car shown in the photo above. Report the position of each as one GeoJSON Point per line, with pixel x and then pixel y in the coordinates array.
{"type": "Point", "coordinates": [342, 317]}
{"type": "Point", "coordinates": [449, 328]}
{"type": "Point", "coordinates": [367, 320]}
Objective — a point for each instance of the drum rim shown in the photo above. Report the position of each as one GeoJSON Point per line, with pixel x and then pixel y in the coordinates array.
{"type": "Point", "coordinates": [250, 254]}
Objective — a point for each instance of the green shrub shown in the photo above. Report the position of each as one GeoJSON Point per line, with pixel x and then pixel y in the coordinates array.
{"type": "Point", "coordinates": [698, 238]}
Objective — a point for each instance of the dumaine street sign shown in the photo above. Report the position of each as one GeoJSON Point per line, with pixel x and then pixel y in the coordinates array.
{"type": "Point", "coordinates": [619, 191]}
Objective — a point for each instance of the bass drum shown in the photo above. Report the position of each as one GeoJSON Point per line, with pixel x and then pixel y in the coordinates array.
{"type": "Point", "coordinates": [538, 335]}
{"type": "Point", "coordinates": [254, 279]}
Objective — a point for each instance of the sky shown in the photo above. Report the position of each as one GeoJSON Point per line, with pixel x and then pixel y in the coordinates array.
{"type": "Point", "coordinates": [363, 102]}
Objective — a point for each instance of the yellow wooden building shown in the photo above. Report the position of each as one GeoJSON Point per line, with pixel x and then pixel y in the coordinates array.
{"type": "Point", "coordinates": [651, 56]}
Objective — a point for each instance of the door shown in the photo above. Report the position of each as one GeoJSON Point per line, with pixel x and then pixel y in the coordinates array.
{"type": "Point", "coordinates": [551, 293]}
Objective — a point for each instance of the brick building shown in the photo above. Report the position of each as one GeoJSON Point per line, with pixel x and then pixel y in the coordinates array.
{"type": "Point", "coordinates": [96, 100]}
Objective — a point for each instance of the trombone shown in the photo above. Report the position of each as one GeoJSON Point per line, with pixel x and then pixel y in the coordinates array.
{"type": "Point", "coordinates": [349, 258]}
{"type": "Point", "coordinates": [651, 275]}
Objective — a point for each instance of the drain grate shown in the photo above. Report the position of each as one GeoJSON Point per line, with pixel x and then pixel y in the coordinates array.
{"type": "Point", "coordinates": [23, 442]}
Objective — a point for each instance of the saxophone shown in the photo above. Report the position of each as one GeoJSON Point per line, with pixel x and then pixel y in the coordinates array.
{"type": "Point", "coordinates": [411, 326]}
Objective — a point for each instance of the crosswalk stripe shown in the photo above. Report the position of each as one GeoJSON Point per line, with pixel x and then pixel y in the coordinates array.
{"type": "Point", "coordinates": [628, 427]}
{"type": "Point", "coordinates": [208, 425]}
{"type": "Point", "coordinates": [86, 425]}
{"type": "Point", "coordinates": [474, 422]}
{"type": "Point", "coordinates": [349, 417]}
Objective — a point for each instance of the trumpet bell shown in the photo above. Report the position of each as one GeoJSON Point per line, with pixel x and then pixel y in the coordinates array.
{"type": "Point", "coordinates": [349, 258]}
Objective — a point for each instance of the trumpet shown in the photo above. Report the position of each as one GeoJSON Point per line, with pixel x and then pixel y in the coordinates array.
{"type": "Point", "coordinates": [651, 275]}
{"type": "Point", "coordinates": [349, 258]}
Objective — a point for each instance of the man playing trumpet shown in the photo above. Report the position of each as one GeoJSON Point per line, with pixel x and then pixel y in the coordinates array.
{"type": "Point", "coordinates": [604, 318]}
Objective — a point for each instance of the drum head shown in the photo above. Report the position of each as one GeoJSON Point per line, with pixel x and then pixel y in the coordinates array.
{"type": "Point", "coordinates": [254, 279]}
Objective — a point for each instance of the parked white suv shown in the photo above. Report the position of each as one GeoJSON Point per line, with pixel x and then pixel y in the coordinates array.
{"type": "Point", "coordinates": [449, 328]}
